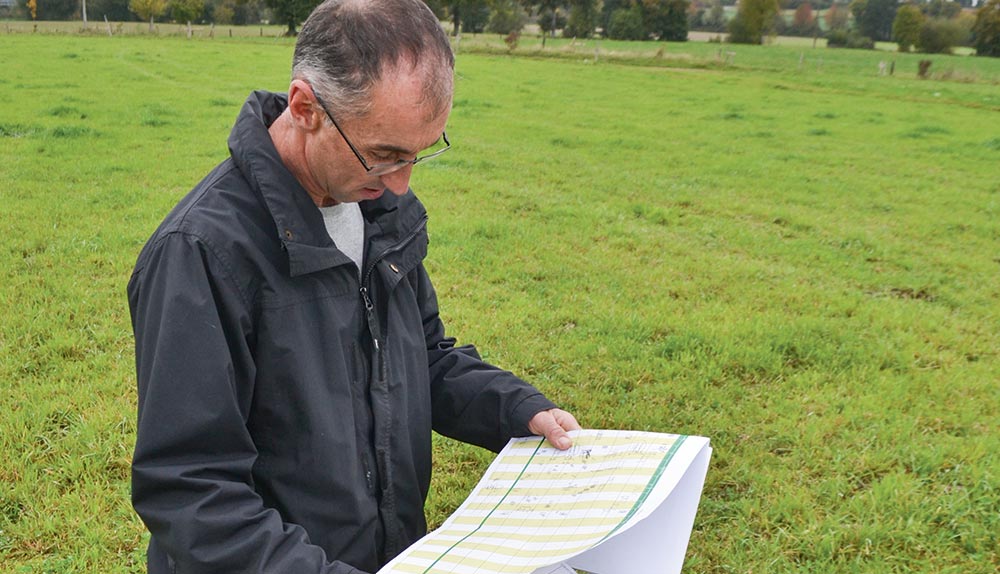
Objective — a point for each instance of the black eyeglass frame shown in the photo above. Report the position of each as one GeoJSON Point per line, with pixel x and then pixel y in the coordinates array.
{"type": "Point", "coordinates": [379, 169]}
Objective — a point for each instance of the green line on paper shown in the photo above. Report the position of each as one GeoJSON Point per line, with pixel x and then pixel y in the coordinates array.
{"type": "Point", "coordinates": [487, 517]}
{"type": "Point", "coordinates": [649, 486]}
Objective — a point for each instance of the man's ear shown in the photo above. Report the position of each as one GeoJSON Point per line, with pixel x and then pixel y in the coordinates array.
{"type": "Point", "coordinates": [302, 106]}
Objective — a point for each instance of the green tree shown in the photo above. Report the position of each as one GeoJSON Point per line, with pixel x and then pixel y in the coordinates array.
{"type": "Point", "coordinates": [549, 14]}
{"type": "Point", "coordinates": [186, 10]}
{"type": "Point", "coordinates": [874, 18]}
{"type": "Point", "coordinates": [148, 9]}
{"type": "Point", "coordinates": [468, 15]}
{"type": "Point", "coordinates": [55, 9]}
{"type": "Point", "coordinates": [753, 21]}
{"type": "Point", "coordinates": [939, 36]}
{"type": "Point", "coordinates": [583, 18]}
{"type": "Point", "coordinates": [626, 24]}
{"type": "Point", "coordinates": [291, 12]}
{"type": "Point", "coordinates": [666, 19]}
{"type": "Point", "coordinates": [987, 29]}
{"type": "Point", "coordinates": [942, 9]}
{"type": "Point", "coordinates": [507, 17]}
{"type": "Point", "coordinates": [551, 20]}
{"type": "Point", "coordinates": [115, 10]}
{"type": "Point", "coordinates": [906, 27]}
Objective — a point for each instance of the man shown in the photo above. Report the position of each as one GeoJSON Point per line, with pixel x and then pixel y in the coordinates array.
{"type": "Point", "coordinates": [290, 358]}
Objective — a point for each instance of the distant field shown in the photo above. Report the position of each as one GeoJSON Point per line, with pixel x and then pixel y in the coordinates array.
{"type": "Point", "coordinates": [798, 261]}
{"type": "Point", "coordinates": [100, 28]}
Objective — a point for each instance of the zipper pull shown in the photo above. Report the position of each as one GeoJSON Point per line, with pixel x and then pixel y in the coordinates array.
{"type": "Point", "coordinates": [372, 321]}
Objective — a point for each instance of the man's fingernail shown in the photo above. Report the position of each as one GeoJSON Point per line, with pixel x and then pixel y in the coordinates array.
{"type": "Point", "coordinates": [564, 442]}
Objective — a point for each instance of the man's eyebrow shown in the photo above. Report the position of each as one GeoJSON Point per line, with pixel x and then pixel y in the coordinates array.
{"type": "Point", "coordinates": [390, 147]}
{"type": "Point", "coordinates": [399, 149]}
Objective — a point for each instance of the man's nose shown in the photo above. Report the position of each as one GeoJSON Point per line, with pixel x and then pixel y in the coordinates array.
{"type": "Point", "coordinates": [398, 181]}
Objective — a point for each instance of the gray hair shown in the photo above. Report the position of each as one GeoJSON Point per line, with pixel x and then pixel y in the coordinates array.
{"type": "Point", "coordinates": [345, 46]}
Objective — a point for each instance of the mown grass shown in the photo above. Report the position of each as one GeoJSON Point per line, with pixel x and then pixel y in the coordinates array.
{"type": "Point", "coordinates": [798, 263]}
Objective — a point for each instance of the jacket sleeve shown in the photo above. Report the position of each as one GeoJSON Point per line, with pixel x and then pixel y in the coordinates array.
{"type": "Point", "coordinates": [191, 472]}
{"type": "Point", "coordinates": [471, 400]}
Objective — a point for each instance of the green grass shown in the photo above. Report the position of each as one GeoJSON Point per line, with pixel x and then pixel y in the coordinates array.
{"type": "Point", "coordinates": [799, 263]}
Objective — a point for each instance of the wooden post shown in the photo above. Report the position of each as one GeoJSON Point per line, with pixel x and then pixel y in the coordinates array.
{"type": "Point", "coordinates": [108, 24]}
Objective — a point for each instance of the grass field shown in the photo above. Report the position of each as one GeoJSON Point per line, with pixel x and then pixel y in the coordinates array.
{"type": "Point", "coordinates": [799, 262]}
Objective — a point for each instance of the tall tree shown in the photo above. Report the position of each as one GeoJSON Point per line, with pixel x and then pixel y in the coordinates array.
{"type": "Point", "coordinates": [753, 21]}
{"type": "Point", "coordinates": [56, 9]}
{"type": "Point", "coordinates": [942, 9]}
{"type": "Point", "coordinates": [666, 19]}
{"type": "Point", "coordinates": [610, 6]}
{"type": "Point", "coordinates": [115, 10]}
{"type": "Point", "coordinates": [148, 9]}
{"type": "Point", "coordinates": [987, 29]}
{"type": "Point", "coordinates": [836, 17]}
{"type": "Point", "coordinates": [548, 14]}
{"type": "Point", "coordinates": [468, 15]}
{"type": "Point", "coordinates": [507, 17]}
{"type": "Point", "coordinates": [583, 18]}
{"type": "Point", "coordinates": [804, 20]}
{"type": "Point", "coordinates": [874, 18]}
{"type": "Point", "coordinates": [186, 10]}
{"type": "Point", "coordinates": [626, 24]}
{"type": "Point", "coordinates": [906, 27]}
{"type": "Point", "coordinates": [291, 12]}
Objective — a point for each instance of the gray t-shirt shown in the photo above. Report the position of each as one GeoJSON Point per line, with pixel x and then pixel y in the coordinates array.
{"type": "Point", "coordinates": [346, 227]}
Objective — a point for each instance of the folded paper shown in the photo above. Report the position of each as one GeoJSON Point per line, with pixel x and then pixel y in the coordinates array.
{"type": "Point", "coordinates": [617, 502]}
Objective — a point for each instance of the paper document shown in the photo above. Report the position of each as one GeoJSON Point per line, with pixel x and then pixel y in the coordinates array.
{"type": "Point", "coordinates": [617, 502]}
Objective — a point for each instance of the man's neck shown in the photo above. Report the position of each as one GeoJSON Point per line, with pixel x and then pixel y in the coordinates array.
{"type": "Point", "coordinates": [291, 149]}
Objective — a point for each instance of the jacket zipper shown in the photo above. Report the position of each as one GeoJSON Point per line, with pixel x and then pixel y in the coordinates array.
{"type": "Point", "coordinates": [373, 326]}
{"type": "Point", "coordinates": [378, 361]}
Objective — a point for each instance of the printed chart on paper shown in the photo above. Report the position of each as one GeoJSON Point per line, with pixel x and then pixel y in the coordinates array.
{"type": "Point", "coordinates": [537, 506]}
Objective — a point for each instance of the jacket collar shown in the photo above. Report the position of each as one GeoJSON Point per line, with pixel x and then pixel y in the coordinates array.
{"type": "Point", "coordinates": [298, 222]}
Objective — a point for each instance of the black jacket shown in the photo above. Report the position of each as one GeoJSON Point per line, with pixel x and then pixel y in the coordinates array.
{"type": "Point", "coordinates": [284, 419]}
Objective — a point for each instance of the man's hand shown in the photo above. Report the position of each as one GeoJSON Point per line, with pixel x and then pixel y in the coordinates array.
{"type": "Point", "coordinates": [553, 424]}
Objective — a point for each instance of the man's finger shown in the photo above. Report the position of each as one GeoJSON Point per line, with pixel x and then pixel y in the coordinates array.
{"type": "Point", "coordinates": [545, 424]}
{"type": "Point", "coordinates": [566, 420]}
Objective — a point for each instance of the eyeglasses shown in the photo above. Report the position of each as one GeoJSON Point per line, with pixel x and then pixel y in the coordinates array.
{"type": "Point", "coordinates": [379, 169]}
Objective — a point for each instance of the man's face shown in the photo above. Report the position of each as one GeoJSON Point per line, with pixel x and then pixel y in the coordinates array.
{"type": "Point", "coordinates": [399, 126]}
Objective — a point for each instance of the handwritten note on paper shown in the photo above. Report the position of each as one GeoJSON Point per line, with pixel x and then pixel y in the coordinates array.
{"type": "Point", "coordinates": [598, 506]}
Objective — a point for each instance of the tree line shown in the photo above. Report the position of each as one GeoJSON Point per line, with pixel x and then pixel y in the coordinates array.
{"type": "Point", "coordinates": [238, 12]}
{"type": "Point", "coordinates": [931, 26]}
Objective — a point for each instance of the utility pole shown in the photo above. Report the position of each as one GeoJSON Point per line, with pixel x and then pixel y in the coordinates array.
{"type": "Point", "coordinates": [84, 13]}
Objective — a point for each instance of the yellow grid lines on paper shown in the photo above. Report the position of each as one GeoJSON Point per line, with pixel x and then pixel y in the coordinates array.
{"type": "Point", "coordinates": [602, 473]}
{"type": "Point", "coordinates": [609, 521]}
{"type": "Point", "coordinates": [511, 550]}
{"type": "Point", "coordinates": [522, 537]}
{"type": "Point", "coordinates": [529, 505]}
{"type": "Point", "coordinates": [473, 551]}
{"type": "Point", "coordinates": [582, 458]}
{"type": "Point", "coordinates": [602, 439]}
{"type": "Point", "coordinates": [526, 491]}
